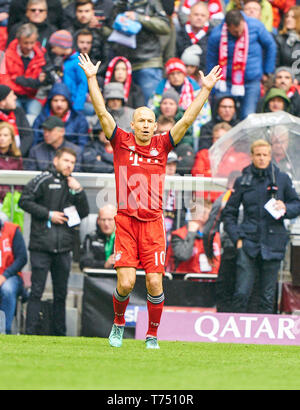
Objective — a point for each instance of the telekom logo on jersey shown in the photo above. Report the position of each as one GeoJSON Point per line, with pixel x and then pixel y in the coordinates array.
{"type": "Point", "coordinates": [138, 197]}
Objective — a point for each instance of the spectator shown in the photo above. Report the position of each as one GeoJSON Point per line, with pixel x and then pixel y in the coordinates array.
{"type": "Point", "coordinates": [285, 80]}
{"type": "Point", "coordinates": [202, 162]}
{"type": "Point", "coordinates": [146, 58]}
{"type": "Point", "coordinates": [46, 198]}
{"type": "Point", "coordinates": [176, 78]}
{"type": "Point", "coordinates": [164, 124]}
{"type": "Point", "coordinates": [288, 41]}
{"type": "Point", "coordinates": [119, 70]}
{"type": "Point", "coordinates": [192, 61]}
{"type": "Point", "coordinates": [36, 14]}
{"type": "Point", "coordinates": [184, 152]}
{"type": "Point", "coordinates": [9, 112]}
{"type": "Point", "coordinates": [195, 32]}
{"type": "Point", "coordinates": [42, 154]}
{"type": "Point", "coordinates": [64, 62]}
{"type": "Point", "coordinates": [10, 155]}
{"type": "Point", "coordinates": [215, 8]}
{"type": "Point", "coordinates": [282, 152]}
{"type": "Point", "coordinates": [261, 238]}
{"type": "Point", "coordinates": [17, 12]}
{"type": "Point", "coordinates": [259, 9]}
{"type": "Point", "coordinates": [59, 103]}
{"type": "Point", "coordinates": [13, 259]}
{"type": "Point", "coordinates": [170, 208]}
{"type": "Point", "coordinates": [98, 153]}
{"type": "Point", "coordinates": [280, 8]}
{"type": "Point", "coordinates": [241, 41]}
{"type": "Point", "coordinates": [85, 18]}
{"type": "Point", "coordinates": [169, 108]}
{"type": "Point", "coordinates": [225, 111]}
{"type": "Point", "coordinates": [186, 252]}
{"type": "Point", "coordinates": [113, 94]}
{"type": "Point", "coordinates": [97, 250]}
{"type": "Point", "coordinates": [84, 42]}
{"type": "Point", "coordinates": [202, 166]}
{"type": "Point", "coordinates": [276, 100]}
{"type": "Point", "coordinates": [102, 11]}
{"type": "Point", "coordinates": [24, 61]}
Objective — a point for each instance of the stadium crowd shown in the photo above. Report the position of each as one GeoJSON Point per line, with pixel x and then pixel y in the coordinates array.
{"type": "Point", "coordinates": [151, 52]}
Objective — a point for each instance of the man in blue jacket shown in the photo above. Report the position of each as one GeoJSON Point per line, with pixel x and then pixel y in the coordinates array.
{"type": "Point", "coordinates": [261, 238]}
{"type": "Point", "coordinates": [59, 103]}
{"type": "Point", "coordinates": [246, 51]}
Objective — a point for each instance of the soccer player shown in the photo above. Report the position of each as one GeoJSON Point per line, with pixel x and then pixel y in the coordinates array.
{"type": "Point", "coordinates": [139, 161]}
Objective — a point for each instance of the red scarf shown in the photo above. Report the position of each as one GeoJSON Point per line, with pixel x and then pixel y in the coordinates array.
{"type": "Point", "coordinates": [110, 71]}
{"type": "Point", "coordinates": [214, 7]}
{"type": "Point", "coordinates": [238, 64]}
{"type": "Point", "coordinates": [196, 37]}
{"type": "Point", "coordinates": [11, 119]}
{"type": "Point", "coordinates": [291, 91]}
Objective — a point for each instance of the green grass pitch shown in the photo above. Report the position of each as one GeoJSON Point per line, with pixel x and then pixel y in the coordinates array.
{"type": "Point", "coordinates": [78, 363]}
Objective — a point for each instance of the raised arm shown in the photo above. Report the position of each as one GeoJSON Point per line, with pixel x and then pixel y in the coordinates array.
{"type": "Point", "coordinates": [208, 82]}
{"type": "Point", "coordinates": [107, 121]}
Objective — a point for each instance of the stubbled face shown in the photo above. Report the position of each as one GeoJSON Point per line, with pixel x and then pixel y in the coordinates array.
{"type": "Point", "coordinates": [84, 43]}
{"type": "Point", "coordinates": [144, 125]}
{"type": "Point", "coordinates": [85, 13]}
{"type": "Point", "coordinates": [65, 164]}
{"type": "Point", "coordinates": [59, 105]}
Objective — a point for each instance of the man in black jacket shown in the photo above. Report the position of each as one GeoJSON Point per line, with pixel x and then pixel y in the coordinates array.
{"type": "Point", "coordinates": [261, 237]}
{"type": "Point", "coordinates": [97, 250]}
{"type": "Point", "coordinates": [48, 198]}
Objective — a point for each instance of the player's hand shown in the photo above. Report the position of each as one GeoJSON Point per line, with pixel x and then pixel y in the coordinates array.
{"type": "Point", "coordinates": [212, 78]}
{"type": "Point", "coordinates": [88, 67]}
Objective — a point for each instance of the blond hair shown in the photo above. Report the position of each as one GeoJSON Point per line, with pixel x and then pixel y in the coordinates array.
{"type": "Point", "coordinates": [259, 143]}
{"type": "Point", "coordinates": [13, 149]}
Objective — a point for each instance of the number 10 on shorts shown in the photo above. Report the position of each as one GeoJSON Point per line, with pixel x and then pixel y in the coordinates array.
{"type": "Point", "coordinates": [159, 258]}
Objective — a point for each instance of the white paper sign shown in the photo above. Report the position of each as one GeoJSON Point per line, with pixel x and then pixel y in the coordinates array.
{"type": "Point", "coordinates": [73, 216]}
{"type": "Point", "coordinates": [270, 207]}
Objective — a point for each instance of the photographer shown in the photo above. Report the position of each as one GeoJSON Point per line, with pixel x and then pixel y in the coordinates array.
{"type": "Point", "coordinates": [46, 198]}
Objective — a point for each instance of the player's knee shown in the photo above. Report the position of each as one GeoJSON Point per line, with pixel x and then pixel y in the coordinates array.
{"type": "Point", "coordinates": [154, 283]}
{"type": "Point", "coordinates": [125, 286]}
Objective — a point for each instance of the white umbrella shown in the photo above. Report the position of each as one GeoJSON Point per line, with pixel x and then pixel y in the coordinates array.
{"type": "Point", "coordinates": [232, 151]}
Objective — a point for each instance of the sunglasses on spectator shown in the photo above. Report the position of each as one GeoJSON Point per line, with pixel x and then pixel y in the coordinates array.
{"type": "Point", "coordinates": [35, 10]}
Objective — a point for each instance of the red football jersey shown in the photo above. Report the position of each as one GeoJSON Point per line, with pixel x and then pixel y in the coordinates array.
{"type": "Point", "coordinates": [140, 173]}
